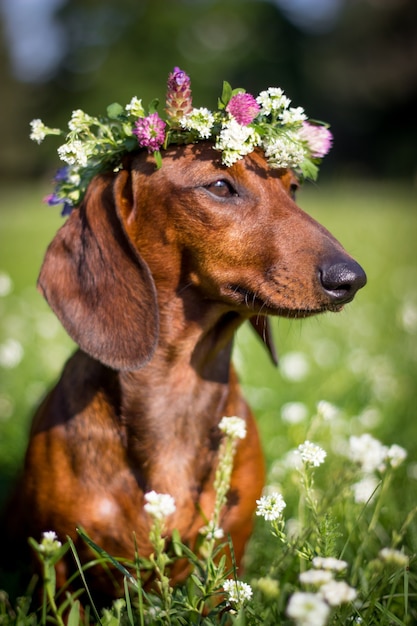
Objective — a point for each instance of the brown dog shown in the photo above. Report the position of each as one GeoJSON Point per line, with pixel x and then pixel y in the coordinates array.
{"type": "Point", "coordinates": [151, 276]}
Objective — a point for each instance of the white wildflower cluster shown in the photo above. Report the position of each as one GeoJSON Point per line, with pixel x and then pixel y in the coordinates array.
{"type": "Point", "coordinates": [211, 531]}
{"type": "Point", "coordinates": [75, 152]}
{"type": "Point", "coordinates": [39, 131]}
{"type": "Point", "coordinates": [49, 544]}
{"type": "Point", "coordinates": [233, 427]}
{"type": "Point", "coordinates": [314, 607]}
{"type": "Point", "coordinates": [270, 506]}
{"type": "Point", "coordinates": [80, 121]}
{"type": "Point", "coordinates": [284, 151]}
{"type": "Point", "coordinates": [159, 505]}
{"type": "Point", "coordinates": [311, 453]}
{"type": "Point", "coordinates": [394, 557]}
{"type": "Point", "coordinates": [372, 456]}
{"type": "Point", "coordinates": [235, 141]}
{"type": "Point", "coordinates": [135, 108]}
{"type": "Point", "coordinates": [273, 100]}
{"type": "Point", "coordinates": [200, 120]}
{"type": "Point", "coordinates": [237, 591]}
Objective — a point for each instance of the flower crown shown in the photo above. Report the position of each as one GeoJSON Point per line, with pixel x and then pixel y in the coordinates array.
{"type": "Point", "coordinates": [241, 123]}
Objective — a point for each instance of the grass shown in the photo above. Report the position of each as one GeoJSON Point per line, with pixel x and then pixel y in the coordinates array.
{"type": "Point", "coordinates": [362, 361]}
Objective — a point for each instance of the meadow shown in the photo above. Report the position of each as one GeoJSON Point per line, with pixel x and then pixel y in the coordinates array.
{"type": "Point", "coordinates": [346, 382]}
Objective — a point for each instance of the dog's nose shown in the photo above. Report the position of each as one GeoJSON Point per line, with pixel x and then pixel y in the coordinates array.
{"type": "Point", "coordinates": [342, 279]}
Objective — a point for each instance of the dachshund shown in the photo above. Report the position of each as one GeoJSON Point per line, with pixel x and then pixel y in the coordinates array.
{"type": "Point", "coordinates": [151, 276]}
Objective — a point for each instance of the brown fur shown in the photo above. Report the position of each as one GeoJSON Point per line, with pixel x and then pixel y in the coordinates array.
{"type": "Point", "coordinates": [151, 276]}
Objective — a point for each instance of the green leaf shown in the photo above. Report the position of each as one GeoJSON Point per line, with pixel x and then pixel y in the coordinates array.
{"type": "Point", "coordinates": [153, 106]}
{"type": "Point", "coordinates": [226, 95]}
{"type": "Point", "coordinates": [158, 159]}
{"type": "Point", "coordinates": [115, 110]}
{"type": "Point", "coordinates": [74, 614]}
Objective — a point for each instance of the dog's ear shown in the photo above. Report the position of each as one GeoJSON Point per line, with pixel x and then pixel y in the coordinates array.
{"type": "Point", "coordinates": [97, 284]}
{"type": "Point", "coordinates": [262, 326]}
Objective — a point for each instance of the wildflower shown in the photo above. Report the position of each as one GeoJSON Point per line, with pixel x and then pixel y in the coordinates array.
{"type": "Point", "coordinates": [49, 543]}
{"type": "Point", "coordinates": [311, 453]}
{"type": "Point", "coordinates": [75, 152]}
{"type": "Point", "coordinates": [234, 427]}
{"type": "Point", "coordinates": [284, 152]}
{"type": "Point", "coordinates": [318, 138]}
{"type": "Point", "coordinates": [211, 531]}
{"type": "Point", "coordinates": [135, 107]}
{"type": "Point", "coordinates": [238, 591]}
{"type": "Point", "coordinates": [315, 577]}
{"type": "Point", "coordinates": [40, 131]}
{"type": "Point", "coordinates": [159, 505]}
{"type": "Point", "coordinates": [243, 107]}
{"type": "Point", "coordinates": [80, 121]}
{"type": "Point", "coordinates": [294, 412]}
{"type": "Point", "coordinates": [293, 115]}
{"type": "Point", "coordinates": [396, 455]}
{"type": "Point", "coordinates": [150, 132]}
{"type": "Point", "coordinates": [200, 120]}
{"type": "Point", "coordinates": [330, 563]}
{"type": "Point", "coordinates": [6, 284]}
{"type": "Point", "coordinates": [368, 452]}
{"type": "Point", "coordinates": [308, 609]}
{"type": "Point", "coordinates": [326, 410]}
{"type": "Point", "coordinates": [389, 555]}
{"type": "Point", "coordinates": [178, 100]}
{"type": "Point", "coordinates": [337, 592]}
{"type": "Point", "coordinates": [235, 140]}
{"type": "Point", "coordinates": [270, 507]}
{"type": "Point", "coordinates": [272, 99]}
{"type": "Point", "coordinates": [365, 489]}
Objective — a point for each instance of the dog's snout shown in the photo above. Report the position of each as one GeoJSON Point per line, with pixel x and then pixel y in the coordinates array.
{"type": "Point", "coordinates": [342, 279]}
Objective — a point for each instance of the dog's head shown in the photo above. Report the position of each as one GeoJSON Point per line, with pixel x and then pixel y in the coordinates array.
{"type": "Point", "coordinates": [232, 237]}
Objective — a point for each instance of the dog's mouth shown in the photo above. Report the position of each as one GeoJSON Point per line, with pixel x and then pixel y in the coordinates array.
{"type": "Point", "coordinates": [256, 304]}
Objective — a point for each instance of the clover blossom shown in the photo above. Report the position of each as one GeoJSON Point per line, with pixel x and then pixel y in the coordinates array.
{"type": "Point", "coordinates": [270, 506]}
{"type": "Point", "coordinates": [238, 592]}
{"type": "Point", "coordinates": [235, 141]}
{"type": "Point", "coordinates": [318, 138]}
{"type": "Point", "coordinates": [337, 592]}
{"type": "Point", "coordinates": [159, 505]}
{"type": "Point", "coordinates": [200, 120]}
{"type": "Point", "coordinates": [311, 453]}
{"type": "Point", "coordinates": [150, 132]}
{"type": "Point", "coordinates": [243, 107]}
{"type": "Point", "coordinates": [308, 609]}
{"type": "Point", "coordinates": [178, 99]}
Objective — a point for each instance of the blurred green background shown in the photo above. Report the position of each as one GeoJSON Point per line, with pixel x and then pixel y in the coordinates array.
{"type": "Point", "coordinates": [352, 63]}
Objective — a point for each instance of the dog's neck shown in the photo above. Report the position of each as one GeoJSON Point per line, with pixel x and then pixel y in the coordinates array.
{"type": "Point", "coordinates": [162, 427]}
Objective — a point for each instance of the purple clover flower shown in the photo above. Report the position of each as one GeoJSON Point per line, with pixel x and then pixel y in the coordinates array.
{"type": "Point", "coordinates": [150, 132]}
{"type": "Point", "coordinates": [179, 100]}
{"type": "Point", "coordinates": [243, 107]}
{"type": "Point", "coordinates": [319, 139]}
{"type": "Point", "coordinates": [178, 78]}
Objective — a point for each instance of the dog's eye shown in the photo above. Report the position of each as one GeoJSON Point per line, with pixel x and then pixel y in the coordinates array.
{"type": "Point", "coordinates": [294, 187]}
{"type": "Point", "coordinates": [222, 189]}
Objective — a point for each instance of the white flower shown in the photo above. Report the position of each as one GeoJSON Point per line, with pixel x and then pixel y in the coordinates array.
{"type": "Point", "coordinates": [38, 132]}
{"type": "Point", "coordinates": [272, 99]}
{"type": "Point", "coordinates": [396, 455]}
{"type": "Point", "coordinates": [79, 121]}
{"type": "Point", "coordinates": [6, 284]}
{"type": "Point", "coordinates": [308, 609]}
{"type": "Point", "coordinates": [11, 353]}
{"type": "Point", "coordinates": [337, 592]}
{"type": "Point", "coordinates": [294, 412]}
{"type": "Point", "coordinates": [270, 506]}
{"type": "Point", "coordinates": [235, 140]}
{"type": "Point", "coordinates": [364, 489]}
{"type": "Point", "coordinates": [234, 427]}
{"type": "Point", "coordinates": [201, 120]}
{"type": "Point", "coordinates": [211, 531]}
{"type": "Point", "coordinates": [284, 151]}
{"type": "Point", "coordinates": [368, 452]}
{"type": "Point", "coordinates": [159, 505]}
{"type": "Point", "coordinates": [135, 107]}
{"type": "Point", "coordinates": [49, 543]}
{"type": "Point", "coordinates": [389, 555]}
{"type": "Point", "coordinates": [293, 115]}
{"type": "Point", "coordinates": [238, 591]}
{"type": "Point", "coordinates": [330, 563]}
{"type": "Point", "coordinates": [311, 453]}
{"type": "Point", "coordinates": [74, 153]}
{"type": "Point", "coordinates": [326, 410]}
{"type": "Point", "coordinates": [316, 577]}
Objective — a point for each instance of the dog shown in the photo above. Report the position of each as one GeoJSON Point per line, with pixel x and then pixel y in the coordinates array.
{"type": "Point", "coordinates": [151, 276]}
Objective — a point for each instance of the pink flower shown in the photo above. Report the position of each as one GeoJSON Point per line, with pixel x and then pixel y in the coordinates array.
{"type": "Point", "coordinates": [319, 139]}
{"type": "Point", "coordinates": [179, 101]}
{"type": "Point", "coordinates": [150, 132]}
{"type": "Point", "coordinates": [243, 107]}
